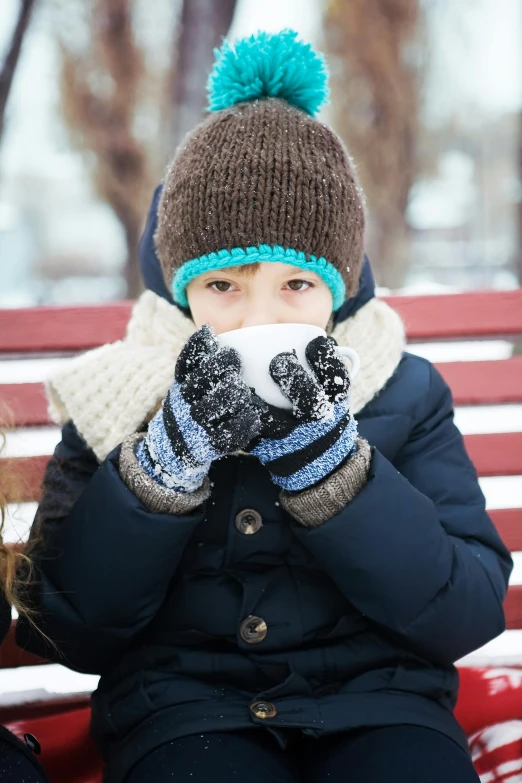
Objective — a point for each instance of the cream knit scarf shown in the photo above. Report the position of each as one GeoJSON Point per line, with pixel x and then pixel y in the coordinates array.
{"type": "Point", "coordinates": [111, 391]}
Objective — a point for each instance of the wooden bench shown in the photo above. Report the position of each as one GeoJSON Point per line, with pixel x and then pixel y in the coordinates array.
{"type": "Point", "coordinates": [64, 331]}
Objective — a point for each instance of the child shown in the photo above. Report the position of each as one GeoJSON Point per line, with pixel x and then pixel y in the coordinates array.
{"type": "Point", "coordinates": [267, 595]}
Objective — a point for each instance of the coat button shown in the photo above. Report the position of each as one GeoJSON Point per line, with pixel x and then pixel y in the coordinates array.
{"type": "Point", "coordinates": [253, 629]}
{"type": "Point", "coordinates": [249, 521]}
{"type": "Point", "coordinates": [263, 709]}
{"type": "Point", "coordinates": [32, 743]}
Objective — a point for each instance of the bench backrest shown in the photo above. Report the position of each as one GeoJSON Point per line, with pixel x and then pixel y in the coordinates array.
{"type": "Point", "coordinates": [59, 331]}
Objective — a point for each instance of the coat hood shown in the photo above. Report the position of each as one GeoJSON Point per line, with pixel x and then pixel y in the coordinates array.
{"type": "Point", "coordinates": [154, 281]}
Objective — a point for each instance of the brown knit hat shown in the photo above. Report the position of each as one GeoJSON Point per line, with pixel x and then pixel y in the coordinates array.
{"type": "Point", "coordinates": [260, 179]}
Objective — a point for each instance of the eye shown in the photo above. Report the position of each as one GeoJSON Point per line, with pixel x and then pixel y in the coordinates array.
{"type": "Point", "coordinates": [299, 285]}
{"type": "Point", "coordinates": [220, 285]}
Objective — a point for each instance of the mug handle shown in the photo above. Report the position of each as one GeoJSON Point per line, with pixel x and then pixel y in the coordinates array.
{"type": "Point", "coordinates": [353, 356]}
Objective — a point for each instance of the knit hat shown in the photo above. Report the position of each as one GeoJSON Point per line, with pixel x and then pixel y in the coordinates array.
{"type": "Point", "coordinates": [260, 179]}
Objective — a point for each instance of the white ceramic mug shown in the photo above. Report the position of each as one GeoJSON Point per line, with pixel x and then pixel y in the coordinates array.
{"type": "Point", "coordinates": [257, 346]}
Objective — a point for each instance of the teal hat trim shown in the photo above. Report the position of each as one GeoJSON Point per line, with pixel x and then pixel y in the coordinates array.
{"type": "Point", "coordinates": [239, 256]}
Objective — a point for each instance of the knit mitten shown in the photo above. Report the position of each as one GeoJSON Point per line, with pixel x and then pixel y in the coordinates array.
{"type": "Point", "coordinates": [302, 446]}
{"type": "Point", "coordinates": [208, 412]}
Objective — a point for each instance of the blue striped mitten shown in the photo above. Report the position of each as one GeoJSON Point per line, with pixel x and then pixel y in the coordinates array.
{"type": "Point", "coordinates": [208, 412]}
{"type": "Point", "coordinates": [302, 446]}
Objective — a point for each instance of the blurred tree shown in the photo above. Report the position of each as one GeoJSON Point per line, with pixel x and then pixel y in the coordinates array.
{"type": "Point", "coordinates": [13, 55]}
{"type": "Point", "coordinates": [125, 113]}
{"type": "Point", "coordinates": [203, 25]}
{"type": "Point", "coordinates": [374, 66]}
{"type": "Point", "coordinates": [105, 87]}
{"type": "Point", "coordinates": [518, 255]}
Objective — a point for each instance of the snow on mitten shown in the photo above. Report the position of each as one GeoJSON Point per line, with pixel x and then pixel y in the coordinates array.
{"type": "Point", "coordinates": [302, 446]}
{"type": "Point", "coordinates": [208, 412]}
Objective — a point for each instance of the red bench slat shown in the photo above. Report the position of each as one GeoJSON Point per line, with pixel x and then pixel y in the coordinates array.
{"type": "Point", "coordinates": [484, 383]}
{"type": "Point", "coordinates": [484, 314]}
{"type": "Point", "coordinates": [14, 714]}
{"type": "Point", "coordinates": [472, 383]}
{"type": "Point", "coordinates": [459, 316]}
{"type": "Point", "coordinates": [24, 404]}
{"type": "Point", "coordinates": [508, 522]}
{"type": "Point", "coordinates": [41, 329]}
{"type": "Point", "coordinates": [21, 477]}
{"type": "Point", "coordinates": [513, 607]}
{"type": "Point", "coordinates": [496, 454]}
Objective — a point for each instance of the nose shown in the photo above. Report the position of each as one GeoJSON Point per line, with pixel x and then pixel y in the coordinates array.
{"type": "Point", "coordinates": [259, 314]}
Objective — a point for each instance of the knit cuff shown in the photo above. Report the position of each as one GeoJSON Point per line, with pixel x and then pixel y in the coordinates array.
{"type": "Point", "coordinates": [314, 506]}
{"type": "Point", "coordinates": [155, 498]}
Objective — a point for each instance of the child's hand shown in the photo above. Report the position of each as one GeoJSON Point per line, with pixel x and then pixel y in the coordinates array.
{"type": "Point", "coordinates": [303, 446]}
{"type": "Point", "coordinates": [208, 380]}
{"type": "Point", "coordinates": [208, 412]}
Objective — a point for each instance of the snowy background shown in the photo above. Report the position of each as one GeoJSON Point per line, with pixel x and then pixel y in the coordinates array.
{"type": "Point", "coordinates": [48, 209]}
{"type": "Point", "coordinates": [463, 211]}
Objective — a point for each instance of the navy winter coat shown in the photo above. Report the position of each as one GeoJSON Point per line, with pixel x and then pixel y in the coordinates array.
{"type": "Point", "coordinates": [365, 614]}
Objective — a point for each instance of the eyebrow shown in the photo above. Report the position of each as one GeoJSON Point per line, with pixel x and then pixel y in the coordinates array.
{"type": "Point", "coordinates": [245, 270]}
{"type": "Point", "coordinates": [250, 270]}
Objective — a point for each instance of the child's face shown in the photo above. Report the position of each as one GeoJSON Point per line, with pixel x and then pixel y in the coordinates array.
{"type": "Point", "coordinates": [275, 294]}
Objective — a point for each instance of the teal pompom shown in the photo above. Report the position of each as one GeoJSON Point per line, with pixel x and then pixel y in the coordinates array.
{"type": "Point", "coordinates": [269, 65]}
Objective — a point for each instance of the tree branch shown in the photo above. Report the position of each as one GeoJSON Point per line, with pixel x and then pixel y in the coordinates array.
{"type": "Point", "coordinates": [203, 25]}
{"type": "Point", "coordinates": [12, 57]}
